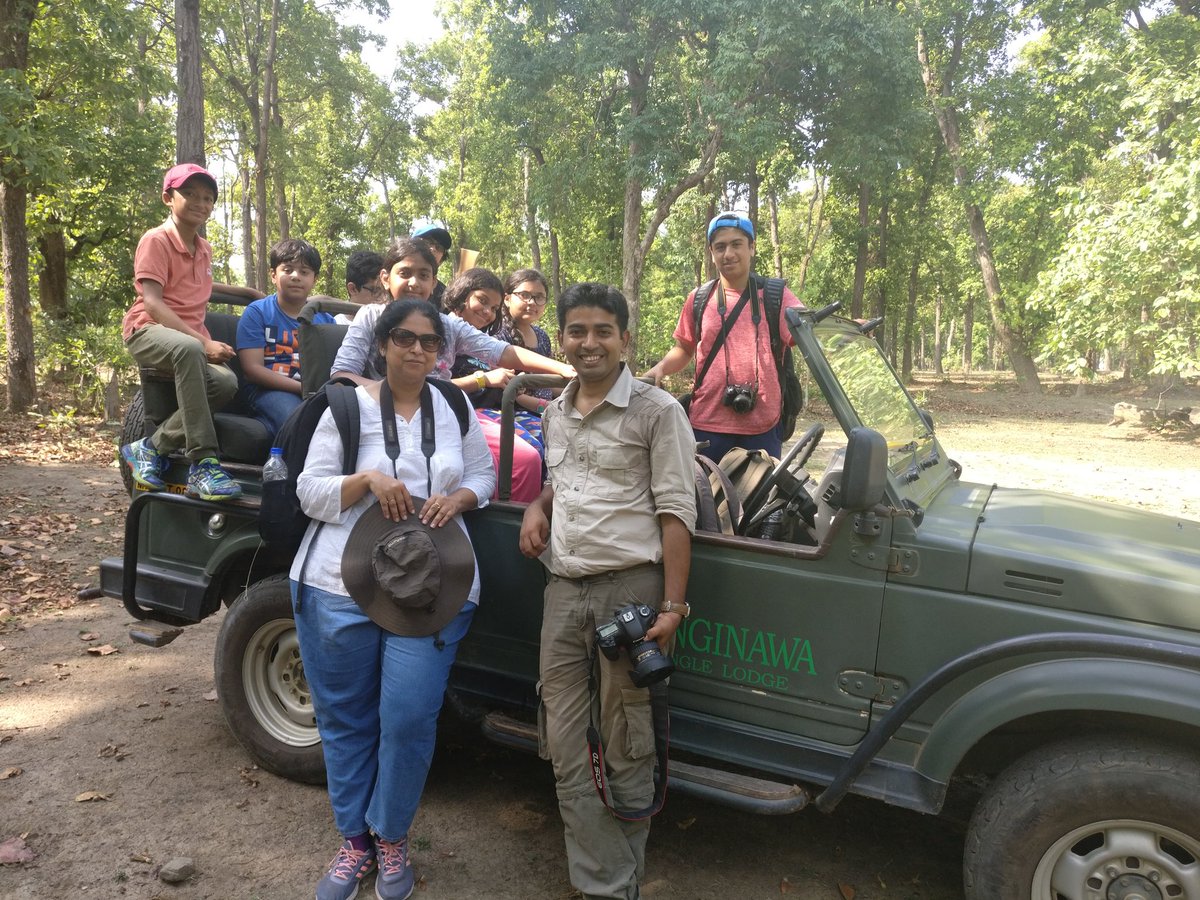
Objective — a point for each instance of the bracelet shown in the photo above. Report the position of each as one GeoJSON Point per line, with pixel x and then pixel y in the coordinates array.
{"type": "Point", "coordinates": [481, 380]}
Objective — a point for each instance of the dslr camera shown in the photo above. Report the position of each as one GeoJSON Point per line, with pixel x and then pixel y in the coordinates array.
{"type": "Point", "coordinates": [628, 630]}
{"type": "Point", "coordinates": [740, 397]}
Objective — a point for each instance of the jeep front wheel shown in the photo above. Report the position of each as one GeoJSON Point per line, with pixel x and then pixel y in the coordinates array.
{"type": "Point", "coordinates": [261, 685]}
{"type": "Point", "coordinates": [1102, 818]}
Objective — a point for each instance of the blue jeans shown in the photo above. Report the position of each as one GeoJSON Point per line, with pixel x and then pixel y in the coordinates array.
{"type": "Point", "coordinates": [376, 696]}
{"type": "Point", "coordinates": [270, 407]}
{"type": "Point", "coordinates": [719, 444]}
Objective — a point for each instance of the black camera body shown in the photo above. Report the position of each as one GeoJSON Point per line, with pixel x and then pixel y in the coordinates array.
{"type": "Point", "coordinates": [628, 630]}
{"type": "Point", "coordinates": [740, 397]}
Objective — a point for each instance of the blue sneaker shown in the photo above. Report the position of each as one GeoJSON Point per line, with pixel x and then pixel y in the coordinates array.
{"type": "Point", "coordinates": [208, 481]}
{"type": "Point", "coordinates": [395, 880]}
{"type": "Point", "coordinates": [346, 872]}
{"type": "Point", "coordinates": [146, 464]}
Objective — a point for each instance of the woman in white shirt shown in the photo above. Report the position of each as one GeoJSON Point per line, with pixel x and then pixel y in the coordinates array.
{"type": "Point", "coordinates": [377, 694]}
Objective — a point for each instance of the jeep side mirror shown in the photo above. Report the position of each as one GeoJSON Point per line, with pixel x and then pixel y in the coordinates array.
{"type": "Point", "coordinates": [864, 473]}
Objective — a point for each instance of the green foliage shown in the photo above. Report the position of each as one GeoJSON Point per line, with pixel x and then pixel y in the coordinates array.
{"type": "Point", "coordinates": [81, 360]}
{"type": "Point", "coordinates": [1128, 276]}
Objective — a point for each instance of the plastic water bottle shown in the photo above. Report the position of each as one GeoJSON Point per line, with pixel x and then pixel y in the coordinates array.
{"type": "Point", "coordinates": [276, 468]}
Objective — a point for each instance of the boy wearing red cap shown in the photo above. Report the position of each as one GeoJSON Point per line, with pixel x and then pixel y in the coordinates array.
{"type": "Point", "coordinates": [164, 330]}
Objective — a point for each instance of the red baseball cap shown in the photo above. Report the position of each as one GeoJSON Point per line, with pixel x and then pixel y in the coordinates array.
{"type": "Point", "coordinates": [177, 175]}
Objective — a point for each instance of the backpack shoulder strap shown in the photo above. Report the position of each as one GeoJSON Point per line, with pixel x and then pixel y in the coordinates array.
{"type": "Point", "coordinates": [343, 405]}
{"type": "Point", "coordinates": [773, 303]}
{"type": "Point", "coordinates": [457, 400]}
{"type": "Point", "coordinates": [698, 303]}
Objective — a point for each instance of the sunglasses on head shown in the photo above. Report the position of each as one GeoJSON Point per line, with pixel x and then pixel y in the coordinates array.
{"type": "Point", "coordinates": [403, 338]}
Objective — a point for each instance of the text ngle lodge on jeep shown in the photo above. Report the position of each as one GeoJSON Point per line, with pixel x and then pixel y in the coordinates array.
{"type": "Point", "coordinates": [879, 627]}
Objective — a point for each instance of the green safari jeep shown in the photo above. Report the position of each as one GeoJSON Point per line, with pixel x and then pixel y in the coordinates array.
{"type": "Point", "coordinates": [864, 621]}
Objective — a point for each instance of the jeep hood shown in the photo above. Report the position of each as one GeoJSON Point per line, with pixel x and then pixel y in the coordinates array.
{"type": "Point", "coordinates": [1068, 553]}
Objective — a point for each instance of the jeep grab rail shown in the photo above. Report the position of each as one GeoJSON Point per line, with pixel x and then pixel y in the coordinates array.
{"type": "Point", "coordinates": [508, 405]}
{"type": "Point", "coordinates": [1055, 642]}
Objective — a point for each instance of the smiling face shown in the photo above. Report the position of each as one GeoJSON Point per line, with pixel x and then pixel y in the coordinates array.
{"type": "Point", "coordinates": [481, 308]}
{"type": "Point", "coordinates": [293, 282]}
{"type": "Point", "coordinates": [191, 203]}
{"type": "Point", "coordinates": [527, 302]}
{"type": "Point", "coordinates": [592, 341]}
{"type": "Point", "coordinates": [410, 277]}
{"type": "Point", "coordinates": [732, 252]}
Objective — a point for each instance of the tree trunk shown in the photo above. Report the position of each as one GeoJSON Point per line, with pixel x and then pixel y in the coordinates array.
{"type": "Point", "coordinates": [262, 121]}
{"type": "Point", "coordinates": [937, 336]}
{"type": "Point", "coordinates": [864, 249]}
{"type": "Point", "coordinates": [531, 229]}
{"type": "Point", "coordinates": [634, 245]}
{"type": "Point", "coordinates": [52, 280]}
{"type": "Point", "coordinates": [816, 207]}
{"type": "Point", "coordinates": [249, 267]}
{"type": "Point", "coordinates": [881, 259]}
{"type": "Point", "coordinates": [946, 114]}
{"type": "Point", "coordinates": [22, 380]}
{"type": "Point", "coordinates": [968, 332]}
{"type": "Point", "coordinates": [189, 112]}
{"type": "Point", "coordinates": [16, 19]}
{"type": "Point", "coordinates": [753, 183]}
{"type": "Point", "coordinates": [910, 314]}
{"type": "Point", "coordinates": [777, 250]}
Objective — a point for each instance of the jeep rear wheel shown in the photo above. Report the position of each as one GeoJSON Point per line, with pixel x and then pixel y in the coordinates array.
{"type": "Point", "coordinates": [1102, 818]}
{"type": "Point", "coordinates": [261, 685]}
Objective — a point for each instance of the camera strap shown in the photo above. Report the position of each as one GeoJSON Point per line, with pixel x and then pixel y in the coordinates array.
{"type": "Point", "coordinates": [726, 327]}
{"type": "Point", "coordinates": [661, 718]}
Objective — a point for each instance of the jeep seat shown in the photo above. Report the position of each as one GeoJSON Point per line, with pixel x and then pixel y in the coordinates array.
{"type": "Point", "coordinates": [240, 436]}
{"type": "Point", "coordinates": [319, 344]}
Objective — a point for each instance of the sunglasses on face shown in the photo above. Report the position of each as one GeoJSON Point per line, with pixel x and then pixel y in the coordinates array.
{"type": "Point", "coordinates": [530, 297]}
{"type": "Point", "coordinates": [403, 338]}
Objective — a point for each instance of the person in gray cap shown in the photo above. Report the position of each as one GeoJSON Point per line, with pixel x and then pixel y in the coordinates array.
{"type": "Point", "coordinates": [435, 233]}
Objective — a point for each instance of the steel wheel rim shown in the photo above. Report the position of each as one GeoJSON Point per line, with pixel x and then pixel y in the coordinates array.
{"type": "Point", "coordinates": [276, 689]}
{"type": "Point", "coordinates": [1116, 858]}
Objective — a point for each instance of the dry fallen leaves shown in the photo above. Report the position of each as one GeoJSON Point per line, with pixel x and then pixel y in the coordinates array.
{"type": "Point", "coordinates": [247, 775]}
{"type": "Point", "coordinates": [10, 772]}
{"type": "Point", "coordinates": [103, 650]}
{"type": "Point", "coordinates": [211, 695]}
{"type": "Point", "coordinates": [113, 751]}
{"type": "Point", "coordinates": [847, 891]}
{"type": "Point", "coordinates": [91, 797]}
{"type": "Point", "coordinates": [89, 636]}
{"type": "Point", "coordinates": [13, 852]}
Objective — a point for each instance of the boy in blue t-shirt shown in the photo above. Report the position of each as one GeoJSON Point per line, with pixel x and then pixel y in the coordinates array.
{"type": "Point", "coordinates": [268, 335]}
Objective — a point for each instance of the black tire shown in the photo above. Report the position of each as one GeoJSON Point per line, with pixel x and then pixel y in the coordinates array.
{"type": "Point", "coordinates": [1101, 816]}
{"type": "Point", "coordinates": [261, 684]}
{"type": "Point", "coordinates": [133, 428]}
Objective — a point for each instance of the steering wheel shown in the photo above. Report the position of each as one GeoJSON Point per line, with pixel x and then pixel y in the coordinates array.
{"type": "Point", "coordinates": [787, 476]}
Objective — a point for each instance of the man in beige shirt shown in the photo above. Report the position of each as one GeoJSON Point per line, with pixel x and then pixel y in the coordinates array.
{"type": "Point", "coordinates": [614, 527]}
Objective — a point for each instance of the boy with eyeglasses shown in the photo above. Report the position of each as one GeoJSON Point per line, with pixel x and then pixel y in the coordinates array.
{"type": "Point", "coordinates": [164, 330]}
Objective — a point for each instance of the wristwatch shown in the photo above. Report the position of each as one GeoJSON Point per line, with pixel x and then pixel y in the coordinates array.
{"type": "Point", "coordinates": [683, 608]}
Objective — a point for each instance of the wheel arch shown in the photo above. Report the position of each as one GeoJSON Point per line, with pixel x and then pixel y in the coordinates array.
{"type": "Point", "coordinates": [240, 561]}
{"type": "Point", "coordinates": [1004, 717]}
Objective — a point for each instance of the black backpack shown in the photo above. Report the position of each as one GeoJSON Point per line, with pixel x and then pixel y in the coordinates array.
{"type": "Point", "coordinates": [789, 383]}
{"type": "Point", "coordinates": [281, 521]}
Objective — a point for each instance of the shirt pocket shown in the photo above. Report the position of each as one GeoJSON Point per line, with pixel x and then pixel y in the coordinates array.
{"type": "Point", "coordinates": [617, 472]}
{"type": "Point", "coordinates": [555, 457]}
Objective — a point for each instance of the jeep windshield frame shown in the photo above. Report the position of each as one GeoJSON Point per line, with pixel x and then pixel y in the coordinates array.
{"type": "Point", "coordinates": [862, 389]}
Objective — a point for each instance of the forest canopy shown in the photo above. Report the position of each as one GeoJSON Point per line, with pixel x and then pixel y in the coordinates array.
{"type": "Point", "coordinates": [1009, 185]}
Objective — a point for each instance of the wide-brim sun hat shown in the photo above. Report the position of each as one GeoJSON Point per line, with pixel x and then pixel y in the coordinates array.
{"type": "Point", "coordinates": [408, 578]}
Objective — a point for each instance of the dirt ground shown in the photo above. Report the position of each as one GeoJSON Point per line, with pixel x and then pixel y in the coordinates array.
{"type": "Point", "coordinates": [114, 757]}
